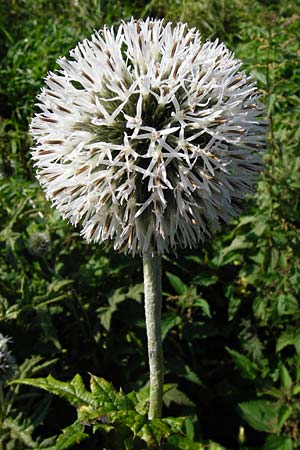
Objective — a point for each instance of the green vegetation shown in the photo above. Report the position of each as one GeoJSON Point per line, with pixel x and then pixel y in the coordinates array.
{"type": "Point", "coordinates": [231, 309]}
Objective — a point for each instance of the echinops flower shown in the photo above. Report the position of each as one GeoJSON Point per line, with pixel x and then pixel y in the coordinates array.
{"type": "Point", "coordinates": [7, 360]}
{"type": "Point", "coordinates": [148, 136]}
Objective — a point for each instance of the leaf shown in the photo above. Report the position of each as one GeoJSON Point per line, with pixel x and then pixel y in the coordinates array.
{"type": "Point", "coordinates": [106, 396]}
{"type": "Point", "coordinates": [57, 285]}
{"type": "Point", "coordinates": [288, 337]}
{"type": "Point", "coordinates": [21, 431]}
{"type": "Point", "coordinates": [71, 435]}
{"type": "Point", "coordinates": [287, 304]}
{"type": "Point", "coordinates": [247, 368]}
{"type": "Point", "coordinates": [205, 279]}
{"type": "Point", "coordinates": [239, 243]}
{"type": "Point", "coordinates": [285, 377]}
{"type": "Point", "coordinates": [284, 413]}
{"type": "Point", "coordinates": [176, 396]}
{"type": "Point", "coordinates": [262, 415]}
{"type": "Point", "coordinates": [179, 442]}
{"type": "Point", "coordinates": [278, 443]}
{"type": "Point", "coordinates": [260, 76]}
{"type": "Point", "coordinates": [169, 321]}
{"type": "Point", "coordinates": [204, 305]}
{"type": "Point", "coordinates": [134, 292]}
{"type": "Point", "coordinates": [177, 284]}
{"type": "Point", "coordinates": [74, 391]}
{"type": "Point", "coordinates": [25, 290]}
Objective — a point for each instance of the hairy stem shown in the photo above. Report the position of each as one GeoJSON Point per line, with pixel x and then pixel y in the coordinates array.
{"type": "Point", "coordinates": [152, 287]}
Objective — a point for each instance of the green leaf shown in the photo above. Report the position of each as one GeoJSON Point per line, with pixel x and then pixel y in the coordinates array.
{"type": "Point", "coordinates": [285, 377]}
{"type": "Point", "coordinates": [288, 337]}
{"type": "Point", "coordinates": [176, 396]}
{"type": "Point", "coordinates": [21, 431]}
{"type": "Point", "coordinates": [119, 295]}
{"type": "Point", "coordinates": [177, 284]}
{"type": "Point", "coordinates": [71, 435]}
{"type": "Point", "coordinates": [262, 415]}
{"type": "Point", "coordinates": [25, 290]}
{"type": "Point", "coordinates": [179, 442]}
{"type": "Point", "coordinates": [58, 285]}
{"type": "Point", "coordinates": [278, 443]}
{"type": "Point", "coordinates": [136, 292]}
{"type": "Point", "coordinates": [247, 368]}
{"type": "Point", "coordinates": [74, 391]}
{"type": "Point", "coordinates": [204, 305]}
{"type": "Point", "coordinates": [106, 396]}
{"type": "Point", "coordinates": [205, 279]}
{"type": "Point", "coordinates": [169, 321]}
{"type": "Point", "coordinates": [283, 414]}
{"type": "Point", "coordinates": [227, 254]}
{"type": "Point", "coordinates": [260, 76]}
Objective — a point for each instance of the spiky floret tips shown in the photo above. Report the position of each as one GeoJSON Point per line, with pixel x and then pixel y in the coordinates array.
{"type": "Point", "coordinates": [148, 136]}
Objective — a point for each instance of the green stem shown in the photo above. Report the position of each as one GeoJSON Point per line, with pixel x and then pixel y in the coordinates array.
{"type": "Point", "coordinates": [152, 289]}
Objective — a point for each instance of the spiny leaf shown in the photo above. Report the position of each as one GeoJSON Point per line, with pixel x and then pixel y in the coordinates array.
{"type": "Point", "coordinates": [21, 431]}
{"type": "Point", "coordinates": [106, 395]}
{"type": "Point", "coordinates": [74, 391]}
{"type": "Point", "coordinates": [71, 435]}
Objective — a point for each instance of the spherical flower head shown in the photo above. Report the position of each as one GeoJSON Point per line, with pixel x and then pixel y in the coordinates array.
{"type": "Point", "coordinates": [38, 244]}
{"type": "Point", "coordinates": [148, 136]}
{"type": "Point", "coordinates": [7, 360]}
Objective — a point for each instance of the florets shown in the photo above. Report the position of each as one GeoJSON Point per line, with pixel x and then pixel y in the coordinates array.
{"type": "Point", "coordinates": [148, 136]}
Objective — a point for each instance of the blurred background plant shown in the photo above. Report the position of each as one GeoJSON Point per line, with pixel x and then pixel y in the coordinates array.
{"type": "Point", "coordinates": [231, 315]}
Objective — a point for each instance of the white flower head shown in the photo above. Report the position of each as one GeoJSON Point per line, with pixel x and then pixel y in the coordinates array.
{"type": "Point", "coordinates": [148, 136]}
{"type": "Point", "coordinates": [7, 360]}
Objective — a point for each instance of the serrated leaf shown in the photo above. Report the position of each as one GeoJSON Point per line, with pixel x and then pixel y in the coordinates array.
{"type": "Point", "coordinates": [21, 431]}
{"type": "Point", "coordinates": [153, 432]}
{"type": "Point", "coordinates": [74, 391]}
{"type": "Point", "coordinates": [247, 368]}
{"type": "Point", "coordinates": [177, 284]}
{"type": "Point", "coordinates": [262, 415]}
{"type": "Point", "coordinates": [71, 435]}
{"type": "Point", "coordinates": [106, 396]}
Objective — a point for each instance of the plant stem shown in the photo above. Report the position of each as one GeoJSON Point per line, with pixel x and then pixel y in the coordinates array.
{"type": "Point", "coordinates": [152, 289]}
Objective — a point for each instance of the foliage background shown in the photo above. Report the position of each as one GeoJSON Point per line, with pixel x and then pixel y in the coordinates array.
{"type": "Point", "coordinates": [231, 315]}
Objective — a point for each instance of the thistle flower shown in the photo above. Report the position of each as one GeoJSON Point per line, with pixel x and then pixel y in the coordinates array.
{"type": "Point", "coordinates": [148, 136]}
{"type": "Point", "coordinates": [7, 360]}
{"type": "Point", "coordinates": [38, 244]}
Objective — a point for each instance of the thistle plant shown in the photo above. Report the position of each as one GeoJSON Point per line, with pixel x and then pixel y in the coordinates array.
{"type": "Point", "coordinates": [151, 138]}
